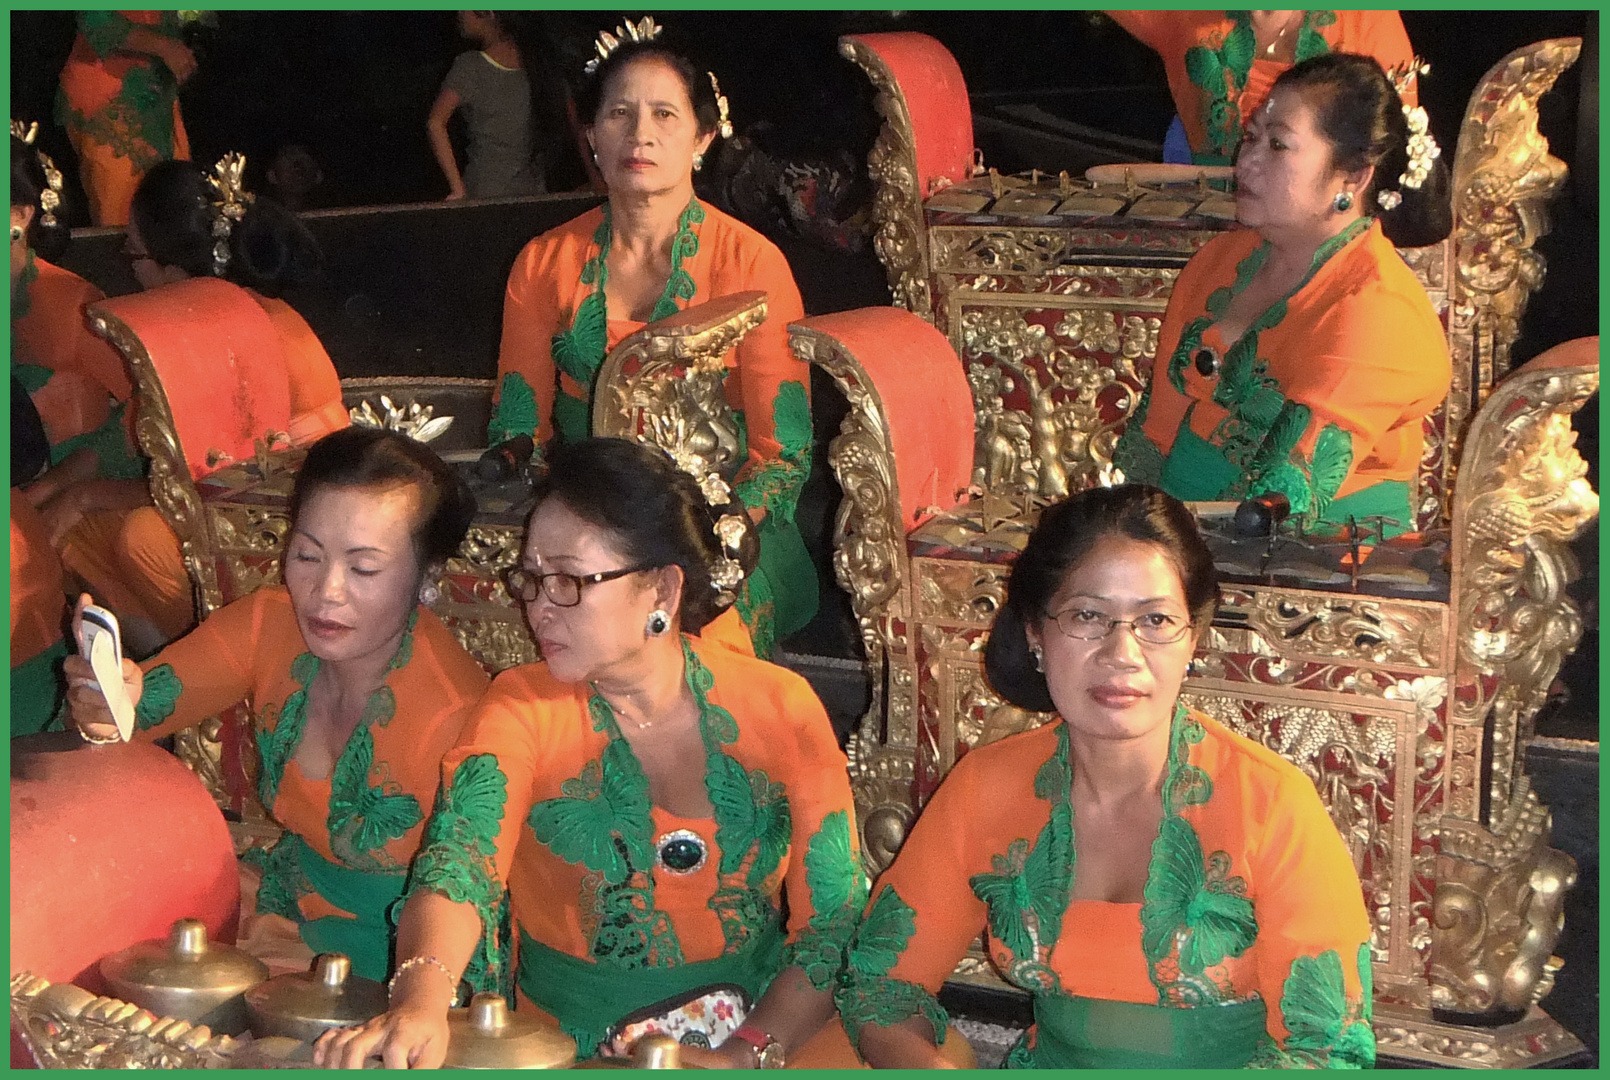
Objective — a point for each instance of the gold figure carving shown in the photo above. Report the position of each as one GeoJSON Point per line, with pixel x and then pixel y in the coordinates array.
{"type": "Point", "coordinates": [664, 385]}
{"type": "Point", "coordinates": [1499, 910]}
{"type": "Point", "coordinates": [901, 238]}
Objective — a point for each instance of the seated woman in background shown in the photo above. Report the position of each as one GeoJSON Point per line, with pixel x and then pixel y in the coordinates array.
{"type": "Point", "coordinates": [1301, 355]}
{"type": "Point", "coordinates": [1221, 64]}
{"type": "Point", "coordinates": [357, 689]}
{"type": "Point", "coordinates": [93, 496]}
{"type": "Point", "coordinates": [648, 800]}
{"type": "Point", "coordinates": [651, 250]}
{"type": "Point", "coordinates": [1171, 893]}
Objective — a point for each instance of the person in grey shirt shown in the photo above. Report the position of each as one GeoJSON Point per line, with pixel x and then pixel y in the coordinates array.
{"type": "Point", "coordinates": [491, 86]}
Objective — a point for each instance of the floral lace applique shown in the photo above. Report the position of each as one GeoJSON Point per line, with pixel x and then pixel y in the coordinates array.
{"type": "Point", "coordinates": [1326, 1029]}
{"type": "Point", "coordinates": [868, 995]}
{"type": "Point", "coordinates": [838, 893]}
{"type": "Point", "coordinates": [159, 698]}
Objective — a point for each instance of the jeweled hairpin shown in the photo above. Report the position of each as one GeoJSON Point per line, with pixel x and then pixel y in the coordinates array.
{"type": "Point", "coordinates": [723, 125]}
{"type": "Point", "coordinates": [644, 29]}
{"type": "Point", "coordinates": [228, 183]}
{"type": "Point", "coordinates": [726, 571]}
{"type": "Point", "coordinates": [50, 198]}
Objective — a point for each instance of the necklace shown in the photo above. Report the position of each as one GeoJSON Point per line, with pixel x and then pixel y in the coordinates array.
{"type": "Point", "coordinates": [1269, 50]}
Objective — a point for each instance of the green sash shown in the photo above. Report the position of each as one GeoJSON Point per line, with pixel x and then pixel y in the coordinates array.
{"type": "Point", "coordinates": [1195, 469]}
{"type": "Point", "coordinates": [1089, 1033]}
{"type": "Point", "coordinates": [36, 691]}
{"type": "Point", "coordinates": [1387, 499]}
{"type": "Point", "coordinates": [586, 997]}
{"type": "Point", "coordinates": [369, 896]}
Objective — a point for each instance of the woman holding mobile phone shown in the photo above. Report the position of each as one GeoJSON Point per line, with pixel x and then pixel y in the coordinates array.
{"type": "Point", "coordinates": [357, 689]}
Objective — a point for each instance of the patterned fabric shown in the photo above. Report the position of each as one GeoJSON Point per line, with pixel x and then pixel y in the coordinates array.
{"type": "Point", "coordinates": [575, 838]}
{"type": "Point", "coordinates": [120, 108]}
{"type": "Point", "coordinates": [1248, 890]}
{"type": "Point", "coordinates": [349, 837]}
{"type": "Point", "coordinates": [1321, 399]}
{"type": "Point", "coordinates": [1216, 79]}
{"type": "Point", "coordinates": [557, 331]}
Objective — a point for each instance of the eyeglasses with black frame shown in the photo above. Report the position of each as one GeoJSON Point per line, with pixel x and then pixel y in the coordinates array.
{"type": "Point", "coordinates": [563, 590]}
{"type": "Point", "coordinates": [1152, 628]}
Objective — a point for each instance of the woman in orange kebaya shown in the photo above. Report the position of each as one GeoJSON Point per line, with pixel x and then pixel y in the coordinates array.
{"type": "Point", "coordinates": [1171, 893]}
{"type": "Point", "coordinates": [119, 102]}
{"type": "Point", "coordinates": [1221, 64]}
{"type": "Point", "coordinates": [357, 689]}
{"type": "Point", "coordinates": [649, 801]}
{"type": "Point", "coordinates": [1301, 355]}
{"type": "Point", "coordinates": [652, 249]}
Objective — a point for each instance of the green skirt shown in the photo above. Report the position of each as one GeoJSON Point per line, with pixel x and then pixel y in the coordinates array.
{"type": "Point", "coordinates": [1090, 1033]}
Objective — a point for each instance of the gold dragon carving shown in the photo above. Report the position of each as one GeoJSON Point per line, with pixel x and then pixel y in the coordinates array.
{"type": "Point", "coordinates": [871, 564]}
{"type": "Point", "coordinates": [1523, 496]}
{"type": "Point", "coordinates": [66, 1027]}
{"type": "Point", "coordinates": [901, 236]}
{"type": "Point", "coordinates": [1503, 179]}
{"type": "Point", "coordinates": [664, 384]}
{"type": "Point", "coordinates": [172, 487]}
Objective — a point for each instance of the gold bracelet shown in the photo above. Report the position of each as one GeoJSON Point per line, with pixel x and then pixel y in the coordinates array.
{"type": "Point", "coordinates": [413, 961]}
{"type": "Point", "coordinates": [93, 741]}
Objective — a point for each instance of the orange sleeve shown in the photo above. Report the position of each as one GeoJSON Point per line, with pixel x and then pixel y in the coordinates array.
{"type": "Point", "coordinates": [203, 673]}
{"type": "Point", "coordinates": [923, 914]}
{"type": "Point", "coordinates": [1313, 944]}
{"type": "Point", "coordinates": [316, 408]}
{"type": "Point", "coordinates": [531, 317]}
{"type": "Point", "coordinates": [1336, 414]}
{"type": "Point", "coordinates": [774, 386]}
{"type": "Point", "coordinates": [485, 794]}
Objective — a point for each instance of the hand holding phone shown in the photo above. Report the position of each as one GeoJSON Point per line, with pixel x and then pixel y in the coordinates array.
{"type": "Point", "coordinates": [101, 643]}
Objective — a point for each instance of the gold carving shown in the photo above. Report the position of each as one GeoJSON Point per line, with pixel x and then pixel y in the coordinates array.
{"type": "Point", "coordinates": [1523, 496]}
{"type": "Point", "coordinates": [664, 385]}
{"type": "Point", "coordinates": [66, 1027]}
{"type": "Point", "coordinates": [1499, 910]}
{"type": "Point", "coordinates": [1406, 1032]}
{"type": "Point", "coordinates": [173, 487]}
{"type": "Point", "coordinates": [901, 238]}
{"type": "Point", "coordinates": [1359, 629]}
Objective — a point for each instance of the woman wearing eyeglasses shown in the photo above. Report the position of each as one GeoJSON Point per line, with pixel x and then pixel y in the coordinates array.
{"type": "Point", "coordinates": [650, 801]}
{"type": "Point", "coordinates": [1172, 894]}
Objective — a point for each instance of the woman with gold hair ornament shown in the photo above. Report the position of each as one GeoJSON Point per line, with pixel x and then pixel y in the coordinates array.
{"type": "Point", "coordinates": [651, 250]}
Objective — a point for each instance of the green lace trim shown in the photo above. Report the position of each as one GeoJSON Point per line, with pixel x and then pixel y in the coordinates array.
{"type": "Point", "coordinates": [158, 698]}
{"type": "Point", "coordinates": [603, 821]}
{"type": "Point", "coordinates": [457, 858]}
{"type": "Point", "coordinates": [104, 30]}
{"type": "Point", "coordinates": [1221, 75]}
{"type": "Point", "coordinates": [579, 351]}
{"type": "Point", "coordinates": [362, 818]}
{"type": "Point", "coordinates": [867, 995]}
{"type": "Point", "coordinates": [776, 484]}
{"type": "Point", "coordinates": [1140, 459]}
{"type": "Point", "coordinates": [516, 413]}
{"type": "Point", "coordinates": [284, 884]}
{"type": "Point", "coordinates": [757, 607]}
{"type": "Point", "coordinates": [1255, 405]}
{"type": "Point", "coordinates": [1027, 890]}
{"type": "Point", "coordinates": [1326, 1030]}
{"type": "Point", "coordinates": [838, 893]}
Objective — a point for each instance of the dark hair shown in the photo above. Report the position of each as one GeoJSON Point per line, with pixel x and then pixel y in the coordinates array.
{"type": "Point", "coordinates": [270, 250]}
{"type": "Point", "coordinates": [654, 512]}
{"type": "Point", "coordinates": [27, 184]}
{"type": "Point", "coordinates": [1359, 111]}
{"type": "Point", "coordinates": [1065, 535]}
{"type": "Point", "coordinates": [361, 457]}
{"type": "Point", "coordinates": [696, 82]}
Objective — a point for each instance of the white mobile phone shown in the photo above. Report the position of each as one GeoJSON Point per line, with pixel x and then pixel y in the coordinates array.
{"type": "Point", "coordinates": [101, 643]}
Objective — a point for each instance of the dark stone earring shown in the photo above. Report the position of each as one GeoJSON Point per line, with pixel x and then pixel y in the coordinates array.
{"type": "Point", "coordinates": [1207, 362]}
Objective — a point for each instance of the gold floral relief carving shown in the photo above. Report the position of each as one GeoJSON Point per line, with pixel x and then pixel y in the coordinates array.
{"type": "Point", "coordinates": [901, 237]}
{"type": "Point", "coordinates": [66, 1027]}
{"type": "Point", "coordinates": [1365, 631]}
{"type": "Point", "coordinates": [960, 592]}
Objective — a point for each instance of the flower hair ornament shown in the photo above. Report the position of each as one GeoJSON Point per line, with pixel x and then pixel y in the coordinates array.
{"type": "Point", "coordinates": [723, 125]}
{"type": "Point", "coordinates": [1422, 147]}
{"type": "Point", "coordinates": [726, 572]}
{"type": "Point", "coordinates": [50, 198]}
{"type": "Point", "coordinates": [644, 29]}
{"type": "Point", "coordinates": [228, 205]}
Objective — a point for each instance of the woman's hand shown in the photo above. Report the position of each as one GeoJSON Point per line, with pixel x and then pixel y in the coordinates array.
{"type": "Point", "coordinates": [455, 192]}
{"type": "Point", "coordinates": [734, 1054]}
{"type": "Point", "coordinates": [61, 512]}
{"type": "Point", "coordinates": [180, 60]}
{"type": "Point", "coordinates": [407, 1037]}
{"type": "Point", "coordinates": [86, 705]}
